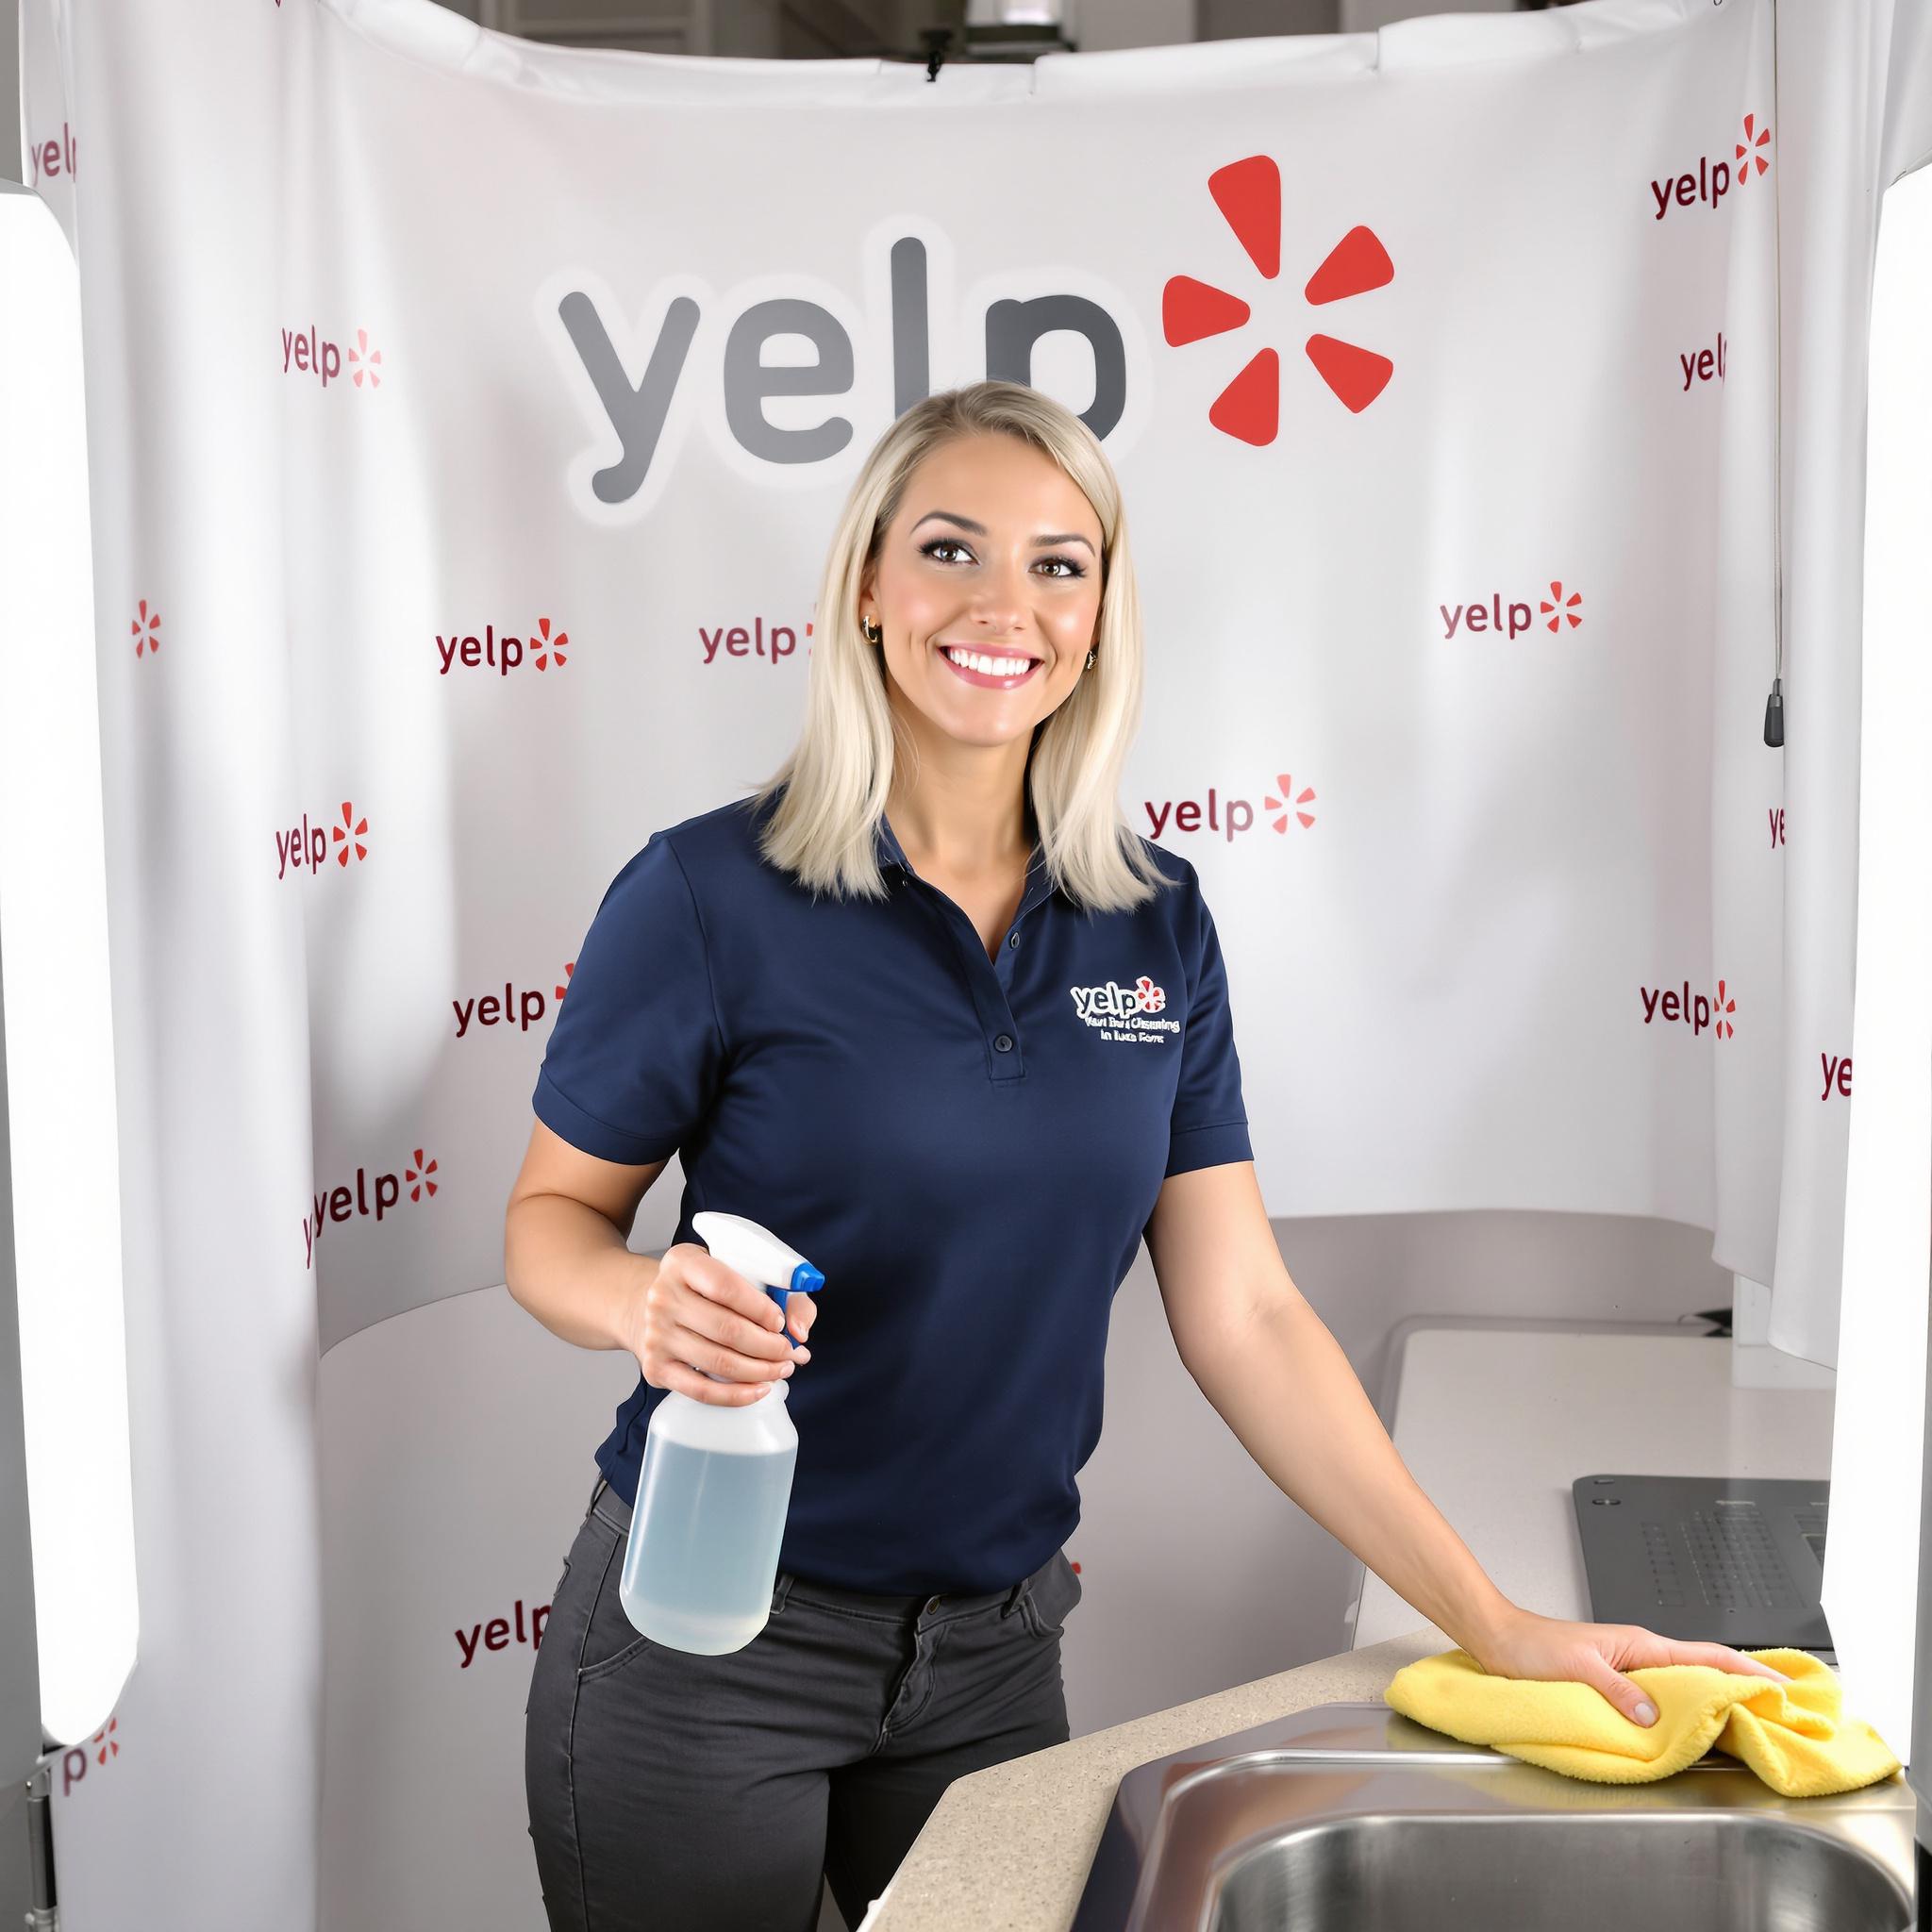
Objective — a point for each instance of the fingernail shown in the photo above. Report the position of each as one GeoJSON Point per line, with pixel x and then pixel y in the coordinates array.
{"type": "Point", "coordinates": [785, 1367]}
{"type": "Point", "coordinates": [1647, 1713]}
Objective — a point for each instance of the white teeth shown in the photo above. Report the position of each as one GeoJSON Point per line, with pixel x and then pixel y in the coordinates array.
{"type": "Point", "coordinates": [990, 667]}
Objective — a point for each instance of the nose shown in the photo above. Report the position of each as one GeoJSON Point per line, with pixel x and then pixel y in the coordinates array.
{"type": "Point", "coordinates": [1000, 597]}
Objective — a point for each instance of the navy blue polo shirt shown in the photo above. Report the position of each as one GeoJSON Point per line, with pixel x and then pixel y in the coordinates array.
{"type": "Point", "coordinates": [967, 1148]}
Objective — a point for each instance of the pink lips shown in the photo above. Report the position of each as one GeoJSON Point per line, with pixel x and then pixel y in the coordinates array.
{"type": "Point", "coordinates": [979, 677]}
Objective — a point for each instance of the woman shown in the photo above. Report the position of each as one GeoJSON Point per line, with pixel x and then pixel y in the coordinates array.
{"type": "Point", "coordinates": [929, 1008]}
{"type": "Point", "coordinates": [845, 1002]}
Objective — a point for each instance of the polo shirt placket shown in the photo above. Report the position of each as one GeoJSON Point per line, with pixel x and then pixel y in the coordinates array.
{"type": "Point", "coordinates": [990, 983]}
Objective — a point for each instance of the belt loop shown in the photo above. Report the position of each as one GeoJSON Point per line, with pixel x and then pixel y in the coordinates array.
{"type": "Point", "coordinates": [1013, 1595]}
{"type": "Point", "coordinates": [781, 1591]}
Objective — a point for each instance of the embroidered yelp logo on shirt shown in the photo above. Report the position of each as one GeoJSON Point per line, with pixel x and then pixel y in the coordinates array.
{"type": "Point", "coordinates": [1124, 1013]}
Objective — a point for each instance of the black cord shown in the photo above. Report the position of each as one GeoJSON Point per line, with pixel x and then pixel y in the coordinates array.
{"type": "Point", "coordinates": [1774, 704]}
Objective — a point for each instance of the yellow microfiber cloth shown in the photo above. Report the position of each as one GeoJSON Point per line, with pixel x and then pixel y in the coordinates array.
{"type": "Point", "coordinates": [1794, 1736]}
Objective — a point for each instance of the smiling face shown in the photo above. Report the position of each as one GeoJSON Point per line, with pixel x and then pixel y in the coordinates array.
{"type": "Point", "coordinates": [995, 551]}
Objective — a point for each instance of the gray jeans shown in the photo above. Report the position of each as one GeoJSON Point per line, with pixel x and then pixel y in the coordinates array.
{"type": "Point", "coordinates": [671, 1792]}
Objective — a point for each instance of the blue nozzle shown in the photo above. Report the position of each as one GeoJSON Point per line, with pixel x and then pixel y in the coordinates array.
{"type": "Point", "coordinates": [805, 1279]}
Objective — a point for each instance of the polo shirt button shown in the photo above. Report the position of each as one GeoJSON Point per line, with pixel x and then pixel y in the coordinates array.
{"type": "Point", "coordinates": [1004, 1043]}
{"type": "Point", "coordinates": [1013, 938]}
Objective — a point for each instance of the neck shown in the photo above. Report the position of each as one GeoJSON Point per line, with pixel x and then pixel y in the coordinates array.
{"type": "Point", "coordinates": [959, 829]}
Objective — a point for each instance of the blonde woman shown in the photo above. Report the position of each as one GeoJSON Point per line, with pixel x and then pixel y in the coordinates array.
{"type": "Point", "coordinates": [927, 1007]}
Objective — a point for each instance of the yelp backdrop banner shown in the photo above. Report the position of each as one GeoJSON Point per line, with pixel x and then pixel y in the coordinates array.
{"type": "Point", "coordinates": [466, 424]}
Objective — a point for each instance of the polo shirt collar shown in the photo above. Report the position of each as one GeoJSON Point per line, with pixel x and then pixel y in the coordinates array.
{"type": "Point", "coordinates": [891, 853]}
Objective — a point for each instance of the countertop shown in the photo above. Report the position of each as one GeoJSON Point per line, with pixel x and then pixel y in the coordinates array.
{"type": "Point", "coordinates": [1006, 1849]}
{"type": "Point", "coordinates": [1493, 1417]}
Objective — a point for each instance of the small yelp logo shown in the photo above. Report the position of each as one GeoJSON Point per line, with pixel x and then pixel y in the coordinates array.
{"type": "Point", "coordinates": [110, 1745]}
{"type": "Point", "coordinates": [306, 847]}
{"type": "Point", "coordinates": [1113, 1001]}
{"type": "Point", "coordinates": [1513, 619]}
{"type": "Point", "coordinates": [1696, 1010]}
{"type": "Point", "coordinates": [145, 627]}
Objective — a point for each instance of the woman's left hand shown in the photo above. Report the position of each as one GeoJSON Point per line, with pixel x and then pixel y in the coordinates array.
{"type": "Point", "coordinates": [1525, 1644]}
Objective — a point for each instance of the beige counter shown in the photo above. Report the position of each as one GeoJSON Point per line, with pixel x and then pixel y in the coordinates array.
{"type": "Point", "coordinates": [1494, 1418]}
{"type": "Point", "coordinates": [1006, 1849]}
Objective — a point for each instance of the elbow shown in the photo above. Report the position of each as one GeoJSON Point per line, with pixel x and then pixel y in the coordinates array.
{"type": "Point", "coordinates": [509, 1270]}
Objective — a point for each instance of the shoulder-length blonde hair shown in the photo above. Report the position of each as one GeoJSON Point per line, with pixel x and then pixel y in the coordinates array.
{"type": "Point", "coordinates": [836, 781]}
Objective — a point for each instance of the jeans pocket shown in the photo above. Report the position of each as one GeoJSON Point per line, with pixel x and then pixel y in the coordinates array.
{"type": "Point", "coordinates": [1051, 1592]}
{"type": "Point", "coordinates": [610, 1638]}
{"type": "Point", "coordinates": [588, 1672]}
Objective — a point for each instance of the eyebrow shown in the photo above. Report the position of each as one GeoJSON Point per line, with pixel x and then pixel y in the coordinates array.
{"type": "Point", "coordinates": [980, 530]}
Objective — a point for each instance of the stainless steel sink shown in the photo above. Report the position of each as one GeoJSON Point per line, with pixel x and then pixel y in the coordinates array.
{"type": "Point", "coordinates": [1352, 1818]}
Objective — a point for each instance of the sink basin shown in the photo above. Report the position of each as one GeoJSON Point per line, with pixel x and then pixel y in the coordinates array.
{"type": "Point", "coordinates": [1353, 1818]}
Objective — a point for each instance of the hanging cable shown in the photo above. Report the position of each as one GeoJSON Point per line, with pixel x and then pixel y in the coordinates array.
{"type": "Point", "coordinates": [1775, 705]}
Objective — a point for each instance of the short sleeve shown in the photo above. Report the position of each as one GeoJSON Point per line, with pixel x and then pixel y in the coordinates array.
{"type": "Point", "coordinates": [1209, 1125]}
{"type": "Point", "coordinates": [634, 1058]}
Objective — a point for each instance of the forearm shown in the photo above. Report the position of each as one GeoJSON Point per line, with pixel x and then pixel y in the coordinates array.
{"type": "Point", "coordinates": [1287, 1391]}
{"type": "Point", "coordinates": [571, 1268]}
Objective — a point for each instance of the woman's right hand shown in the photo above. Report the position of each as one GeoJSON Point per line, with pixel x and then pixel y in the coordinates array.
{"type": "Point", "coordinates": [697, 1313]}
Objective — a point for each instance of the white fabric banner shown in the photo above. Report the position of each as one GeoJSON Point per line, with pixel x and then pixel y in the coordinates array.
{"type": "Point", "coordinates": [466, 423]}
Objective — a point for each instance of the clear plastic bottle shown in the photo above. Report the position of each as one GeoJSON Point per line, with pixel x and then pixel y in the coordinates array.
{"type": "Point", "coordinates": [715, 1483]}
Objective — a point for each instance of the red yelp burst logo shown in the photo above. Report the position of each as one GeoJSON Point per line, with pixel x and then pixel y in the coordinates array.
{"type": "Point", "coordinates": [145, 627]}
{"type": "Point", "coordinates": [545, 642]}
{"type": "Point", "coordinates": [350, 832]}
{"type": "Point", "coordinates": [1289, 800]}
{"type": "Point", "coordinates": [1564, 607]}
{"type": "Point", "coordinates": [1747, 151]}
{"type": "Point", "coordinates": [1248, 193]}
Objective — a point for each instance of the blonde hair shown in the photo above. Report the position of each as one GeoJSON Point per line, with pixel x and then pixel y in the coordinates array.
{"type": "Point", "coordinates": [838, 776]}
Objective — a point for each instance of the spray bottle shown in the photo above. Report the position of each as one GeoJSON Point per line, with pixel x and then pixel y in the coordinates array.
{"type": "Point", "coordinates": [716, 1482]}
